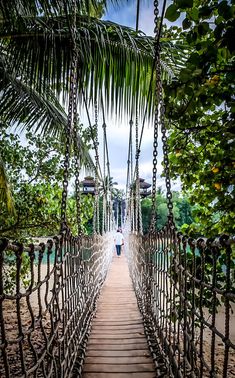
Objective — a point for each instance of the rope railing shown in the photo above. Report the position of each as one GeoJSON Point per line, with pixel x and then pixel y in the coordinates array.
{"type": "Point", "coordinates": [46, 313]}
{"type": "Point", "coordinates": [186, 290]}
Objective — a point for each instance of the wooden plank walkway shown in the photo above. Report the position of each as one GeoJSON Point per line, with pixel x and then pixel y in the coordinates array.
{"type": "Point", "coordinates": [117, 347]}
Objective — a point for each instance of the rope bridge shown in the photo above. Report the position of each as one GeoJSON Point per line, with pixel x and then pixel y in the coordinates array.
{"type": "Point", "coordinates": [46, 315]}
{"type": "Point", "coordinates": [45, 323]}
{"type": "Point", "coordinates": [176, 280]}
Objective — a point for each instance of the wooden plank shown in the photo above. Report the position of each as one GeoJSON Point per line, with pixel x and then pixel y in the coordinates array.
{"type": "Point", "coordinates": [120, 360]}
{"type": "Point", "coordinates": [120, 312]}
{"type": "Point", "coordinates": [119, 305]}
{"type": "Point", "coordinates": [119, 315]}
{"type": "Point", "coordinates": [117, 346]}
{"type": "Point", "coordinates": [118, 353]}
{"type": "Point", "coordinates": [116, 341]}
{"type": "Point", "coordinates": [120, 375]}
{"type": "Point", "coordinates": [117, 325]}
{"type": "Point", "coordinates": [116, 330]}
{"type": "Point", "coordinates": [120, 319]}
{"type": "Point", "coordinates": [136, 346]}
{"type": "Point", "coordinates": [116, 368]}
{"type": "Point", "coordinates": [98, 322]}
{"type": "Point", "coordinates": [117, 336]}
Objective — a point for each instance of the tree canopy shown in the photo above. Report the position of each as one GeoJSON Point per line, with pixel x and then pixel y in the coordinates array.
{"type": "Point", "coordinates": [183, 211]}
{"type": "Point", "coordinates": [200, 110]}
{"type": "Point", "coordinates": [35, 172]}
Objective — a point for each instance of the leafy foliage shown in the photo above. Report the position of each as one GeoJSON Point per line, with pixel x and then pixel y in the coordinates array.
{"type": "Point", "coordinates": [34, 172]}
{"type": "Point", "coordinates": [5, 190]}
{"type": "Point", "coordinates": [200, 108]}
{"type": "Point", "coordinates": [183, 211]}
{"type": "Point", "coordinates": [10, 271]}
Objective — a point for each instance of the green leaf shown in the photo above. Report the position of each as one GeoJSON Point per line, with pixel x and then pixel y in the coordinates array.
{"type": "Point", "coordinates": [197, 72]}
{"type": "Point", "coordinates": [185, 75]}
{"type": "Point", "coordinates": [186, 23]}
{"type": "Point", "coordinates": [172, 13]}
{"type": "Point", "coordinates": [184, 3]}
{"type": "Point", "coordinates": [194, 14]}
{"type": "Point", "coordinates": [203, 28]}
{"type": "Point", "coordinates": [224, 10]}
{"type": "Point", "coordinates": [205, 12]}
{"type": "Point", "coordinates": [191, 37]}
{"type": "Point", "coordinates": [194, 58]}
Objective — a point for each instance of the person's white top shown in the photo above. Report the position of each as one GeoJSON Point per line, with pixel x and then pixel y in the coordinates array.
{"type": "Point", "coordinates": [119, 239]}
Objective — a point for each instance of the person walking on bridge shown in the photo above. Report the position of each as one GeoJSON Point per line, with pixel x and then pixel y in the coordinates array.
{"type": "Point", "coordinates": [119, 241]}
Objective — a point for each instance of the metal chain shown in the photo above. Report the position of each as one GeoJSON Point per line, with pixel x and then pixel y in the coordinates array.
{"type": "Point", "coordinates": [156, 119]}
{"type": "Point", "coordinates": [131, 151]}
{"type": "Point", "coordinates": [137, 182]}
{"type": "Point", "coordinates": [104, 214]}
{"type": "Point", "coordinates": [111, 214]}
{"type": "Point", "coordinates": [140, 218]}
{"type": "Point", "coordinates": [139, 212]}
{"type": "Point", "coordinates": [160, 118]}
{"type": "Point", "coordinates": [77, 181]}
{"type": "Point", "coordinates": [70, 120]}
{"type": "Point", "coordinates": [77, 146]}
{"type": "Point", "coordinates": [138, 203]}
{"type": "Point", "coordinates": [132, 215]}
{"type": "Point", "coordinates": [96, 225]}
{"type": "Point", "coordinates": [108, 204]}
{"type": "Point", "coordinates": [166, 158]}
{"type": "Point", "coordinates": [129, 161]}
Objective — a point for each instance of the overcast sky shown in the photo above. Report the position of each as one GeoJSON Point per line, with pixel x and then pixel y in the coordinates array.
{"type": "Point", "coordinates": [118, 133]}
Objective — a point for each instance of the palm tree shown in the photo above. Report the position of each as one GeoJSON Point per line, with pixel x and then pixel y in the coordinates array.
{"type": "Point", "coordinates": [115, 63]}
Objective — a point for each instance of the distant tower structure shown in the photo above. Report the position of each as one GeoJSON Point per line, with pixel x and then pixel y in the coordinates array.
{"type": "Point", "coordinates": [144, 186]}
{"type": "Point", "coordinates": [88, 185]}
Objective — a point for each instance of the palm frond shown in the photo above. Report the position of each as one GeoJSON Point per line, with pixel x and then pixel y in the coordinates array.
{"type": "Point", "coordinates": [15, 9]}
{"type": "Point", "coordinates": [23, 107]}
{"type": "Point", "coordinates": [114, 61]}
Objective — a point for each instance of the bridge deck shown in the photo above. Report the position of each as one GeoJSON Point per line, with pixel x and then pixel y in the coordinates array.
{"type": "Point", "coordinates": [117, 346]}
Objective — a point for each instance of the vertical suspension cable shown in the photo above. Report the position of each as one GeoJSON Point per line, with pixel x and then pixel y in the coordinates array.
{"type": "Point", "coordinates": [131, 150]}
{"type": "Point", "coordinates": [108, 203]}
{"type": "Point", "coordinates": [138, 202]}
{"type": "Point", "coordinates": [166, 160]}
{"type": "Point", "coordinates": [72, 116]}
{"type": "Point", "coordinates": [77, 181]}
{"type": "Point", "coordinates": [107, 208]}
{"type": "Point", "coordinates": [159, 120]}
{"type": "Point", "coordinates": [129, 159]}
{"type": "Point", "coordinates": [91, 131]}
{"type": "Point", "coordinates": [132, 178]}
{"type": "Point", "coordinates": [137, 15]}
{"type": "Point", "coordinates": [129, 179]}
{"type": "Point", "coordinates": [156, 117]}
{"type": "Point", "coordinates": [137, 179]}
{"type": "Point", "coordinates": [96, 225]}
{"type": "Point", "coordinates": [104, 183]}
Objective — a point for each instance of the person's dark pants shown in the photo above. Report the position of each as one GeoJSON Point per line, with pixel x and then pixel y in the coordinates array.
{"type": "Point", "coordinates": [118, 248]}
